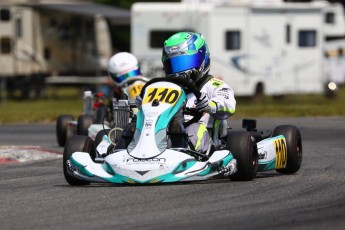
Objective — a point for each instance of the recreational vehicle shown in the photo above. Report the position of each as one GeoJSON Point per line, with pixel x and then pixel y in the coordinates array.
{"type": "Point", "coordinates": [273, 48]}
{"type": "Point", "coordinates": [53, 38]}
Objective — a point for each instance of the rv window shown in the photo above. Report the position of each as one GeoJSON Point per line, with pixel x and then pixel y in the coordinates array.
{"type": "Point", "coordinates": [232, 40]}
{"type": "Point", "coordinates": [307, 38]}
{"type": "Point", "coordinates": [5, 15]}
{"type": "Point", "coordinates": [5, 45]}
{"type": "Point", "coordinates": [330, 18]}
{"type": "Point", "coordinates": [157, 37]}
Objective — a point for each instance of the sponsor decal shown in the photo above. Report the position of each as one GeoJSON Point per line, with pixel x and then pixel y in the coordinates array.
{"type": "Point", "coordinates": [174, 49]}
{"type": "Point", "coordinates": [223, 93]}
{"type": "Point", "coordinates": [156, 180]}
{"type": "Point", "coordinates": [262, 155]}
{"type": "Point", "coordinates": [216, 83]}
{"type": "Point", "coordinates": [155, 160]}
{"type": "Point", "coordinates": [148, 125]}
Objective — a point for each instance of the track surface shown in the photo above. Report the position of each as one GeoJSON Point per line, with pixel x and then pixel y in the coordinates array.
{"type": "Point", "coordinates": [35, 195]}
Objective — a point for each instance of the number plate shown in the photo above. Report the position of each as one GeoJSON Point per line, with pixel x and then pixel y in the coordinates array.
{"type": "Point", "coordinates": [164, 95]}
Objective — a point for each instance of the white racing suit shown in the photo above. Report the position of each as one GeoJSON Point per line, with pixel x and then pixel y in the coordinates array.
{"type": "Point", "coordinates": [222, 95]}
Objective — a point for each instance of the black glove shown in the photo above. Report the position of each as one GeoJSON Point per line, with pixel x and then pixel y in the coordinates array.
{"type": "Point", "coordinates": [204, 104]}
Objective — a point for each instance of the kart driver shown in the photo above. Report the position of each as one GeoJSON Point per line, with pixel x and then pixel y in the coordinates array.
{"type": "Point", "coordinates": [123, 67]}
{"type": "Point", "coordinates": [186, 55]}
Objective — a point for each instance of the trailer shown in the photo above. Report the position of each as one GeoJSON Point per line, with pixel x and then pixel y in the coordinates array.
{"type": "Point", "coordinates": [41, 39]}
{"type": "Point", "coordinates": [257, 47]}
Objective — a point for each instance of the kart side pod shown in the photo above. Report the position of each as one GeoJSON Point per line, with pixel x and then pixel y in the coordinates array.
{"type": "Point", "coordinates": [272, 153]}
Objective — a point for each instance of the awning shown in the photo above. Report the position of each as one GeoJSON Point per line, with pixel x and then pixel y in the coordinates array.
{"type": "Point", "coordinates": [115, 15]}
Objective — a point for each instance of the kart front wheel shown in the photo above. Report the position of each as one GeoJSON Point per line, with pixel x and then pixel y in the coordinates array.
{"type": "Point", "coordinates": [244, 150]}
{"type": "Point", "coordinates": [61, 128]}
{"type": "Point", "coordinates": [294, 147]}
{"type": "Point", "coordinates": [76, 143]}
{"type": "Point", "coordinates": [84, 122]}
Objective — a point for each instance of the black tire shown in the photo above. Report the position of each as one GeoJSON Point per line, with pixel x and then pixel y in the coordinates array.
{"type": "Point", "coordinates": [294, 147]}
{"type": "Point", "coordinates": [61, 128]}
{"type": "Point", "coordinates": [84, 122]}
{"type": "Point", "coordinates": [76, 143]}
{"type": "Point", "coordinates": [243, 148]}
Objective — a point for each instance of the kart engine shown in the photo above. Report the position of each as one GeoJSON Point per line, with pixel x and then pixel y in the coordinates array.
{"type": "Point", "coordinates": [121, 115]}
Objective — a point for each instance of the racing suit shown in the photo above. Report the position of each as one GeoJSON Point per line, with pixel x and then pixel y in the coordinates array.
{"type": "Point", "coordinates": [221, 96]}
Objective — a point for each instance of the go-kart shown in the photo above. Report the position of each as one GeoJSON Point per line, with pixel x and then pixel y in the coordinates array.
{"type": "Point", "coordinates": [93, 111]}
{"type": "Point", "coordinates": [95, 114]}
{"type": "Point", "coordinates": [152, 147]}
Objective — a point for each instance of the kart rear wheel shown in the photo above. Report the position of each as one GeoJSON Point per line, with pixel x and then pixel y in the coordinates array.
{"type": "Point", "coordinates": [84, 122]}
{"type": "Point", "coordinates": [76, 143]}
{"type": "Point", "coordinates": [243, 148]}
{"type": "Point", "coordinates": [294, 147]}
{"type": "Point", "coordinates": [61, 128]}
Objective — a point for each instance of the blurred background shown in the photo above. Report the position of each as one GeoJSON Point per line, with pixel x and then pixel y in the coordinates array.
{"type": "Point", "coordinates": [265, 50]}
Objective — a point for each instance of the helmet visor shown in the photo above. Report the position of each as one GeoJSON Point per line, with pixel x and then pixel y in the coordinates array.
{"type": "Point", "coordinates": [120, 78]}
{"type": "Point", "coordinates": [181, 63]}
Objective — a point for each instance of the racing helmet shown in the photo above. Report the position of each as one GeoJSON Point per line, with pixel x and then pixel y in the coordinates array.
{"type": "Point", "coordinates": [123, 65]}
{"type": "Point", "coordinates": [186, 55]}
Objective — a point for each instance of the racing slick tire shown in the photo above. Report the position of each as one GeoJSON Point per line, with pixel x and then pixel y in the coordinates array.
{"type": "Point", "coordinates": [243, 148]}
{"type": "Point", "coordinates": [84, 122]}
{"type": "Point", "coordinates": [294, 147]}
{"type": "Point", "coordinates": [81, 144]}
{"type": "Point", "coordinates": [61, 128]}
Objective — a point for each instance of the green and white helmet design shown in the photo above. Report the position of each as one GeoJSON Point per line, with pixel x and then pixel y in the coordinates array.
{"type": "Point", "coordinates": [186, 55]}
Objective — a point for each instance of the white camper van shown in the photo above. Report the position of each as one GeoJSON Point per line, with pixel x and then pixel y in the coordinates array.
{"type": "Point", "coordinates": [53, 38]}
{"type": "Point", "coordinates": [270, 48]}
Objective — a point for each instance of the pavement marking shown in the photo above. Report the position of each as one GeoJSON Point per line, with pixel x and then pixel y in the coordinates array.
{"type": "Point", "coordinates": [15, 154]}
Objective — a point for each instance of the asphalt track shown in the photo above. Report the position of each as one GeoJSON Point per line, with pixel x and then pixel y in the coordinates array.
{"type": "Point", "coordinates": [35, 195]}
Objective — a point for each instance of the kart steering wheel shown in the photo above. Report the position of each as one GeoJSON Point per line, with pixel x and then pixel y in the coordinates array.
{"type": "Point", "coordinates": [196, 115]}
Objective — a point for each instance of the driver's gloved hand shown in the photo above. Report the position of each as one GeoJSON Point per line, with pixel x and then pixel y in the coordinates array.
{"type": "Point", "coordinates": [204, 104]}
{"type": "Point", "coordinates": [138, 101]}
